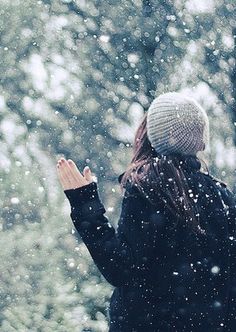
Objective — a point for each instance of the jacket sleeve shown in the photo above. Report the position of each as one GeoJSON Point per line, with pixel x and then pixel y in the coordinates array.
{"type": "Point", "coordinates": [109, 248]}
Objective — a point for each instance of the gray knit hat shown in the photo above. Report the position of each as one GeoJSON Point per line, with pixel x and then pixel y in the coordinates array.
{"type": "Point", "coordinates": [177, 124]}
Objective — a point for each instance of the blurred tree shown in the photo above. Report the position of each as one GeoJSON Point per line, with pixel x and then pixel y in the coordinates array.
{"type": "Point", "coordinates": [233, 80]}
{"type": "Point", "coordinates": [47, 281]}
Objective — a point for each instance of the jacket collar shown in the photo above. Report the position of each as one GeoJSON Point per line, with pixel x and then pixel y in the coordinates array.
{"type": "Point", "coordinates": [190, 164]}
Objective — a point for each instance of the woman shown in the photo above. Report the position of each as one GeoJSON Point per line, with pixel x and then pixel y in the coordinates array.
{"type": "Point", "coordinates": [172, 258]}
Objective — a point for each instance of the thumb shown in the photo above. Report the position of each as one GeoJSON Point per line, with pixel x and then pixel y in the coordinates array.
{"type": "Point", "coordinates": [87, 174]}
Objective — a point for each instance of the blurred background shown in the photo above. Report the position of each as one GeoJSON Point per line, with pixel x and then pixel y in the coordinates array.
{"type": "Point", "coordinates": [76, 79]}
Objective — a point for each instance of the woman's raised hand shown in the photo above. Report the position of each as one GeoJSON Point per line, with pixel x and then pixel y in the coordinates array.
{"type": "Point", "coordinates": [69, 175]}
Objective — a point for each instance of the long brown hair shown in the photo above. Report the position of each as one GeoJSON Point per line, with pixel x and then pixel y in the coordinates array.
{"type": "Point", "coordinates": [163, 176]}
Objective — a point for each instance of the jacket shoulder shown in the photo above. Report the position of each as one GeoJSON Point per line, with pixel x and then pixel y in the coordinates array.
{"type": "Point", "coordinates": [216, 180]}
{"type": "Point", "coordinates": [227, 195]}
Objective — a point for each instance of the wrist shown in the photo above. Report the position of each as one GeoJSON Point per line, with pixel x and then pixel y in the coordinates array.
{"type": "Point", "coordinates": [84, 201]}
{"type": "Point", "coordinates": [81, 194]}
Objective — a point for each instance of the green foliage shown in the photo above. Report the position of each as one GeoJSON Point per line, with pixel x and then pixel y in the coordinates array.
{"type": "Point", "coordinates": [48, 282]}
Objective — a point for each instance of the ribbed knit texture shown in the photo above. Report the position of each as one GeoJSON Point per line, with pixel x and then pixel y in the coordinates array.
{"type": "Point", "coordinates": [177, 124]}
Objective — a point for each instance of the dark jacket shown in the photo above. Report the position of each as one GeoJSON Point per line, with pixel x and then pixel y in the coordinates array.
{"type": "Point", "coordinates": [165, 278]}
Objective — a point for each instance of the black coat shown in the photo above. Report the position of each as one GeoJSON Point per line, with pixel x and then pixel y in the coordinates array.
{"type": "Point", "coordinates": [165, 278]}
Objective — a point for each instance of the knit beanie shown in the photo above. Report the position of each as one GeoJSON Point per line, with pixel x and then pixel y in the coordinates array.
{"type": "Point", "coordinates": [177, 124]}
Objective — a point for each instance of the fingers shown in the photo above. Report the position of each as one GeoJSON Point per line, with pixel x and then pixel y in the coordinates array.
{"type": "Point", "coordinates": [61, 177]}
{"type": "Point", "coordinates": [74, 170]}
{"type": "Point", "coordinates": [66, 173]}
{"type": "Point", "coordinates": [70, 176]}
{"type": "Point", "coordinates": [87, 174]}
